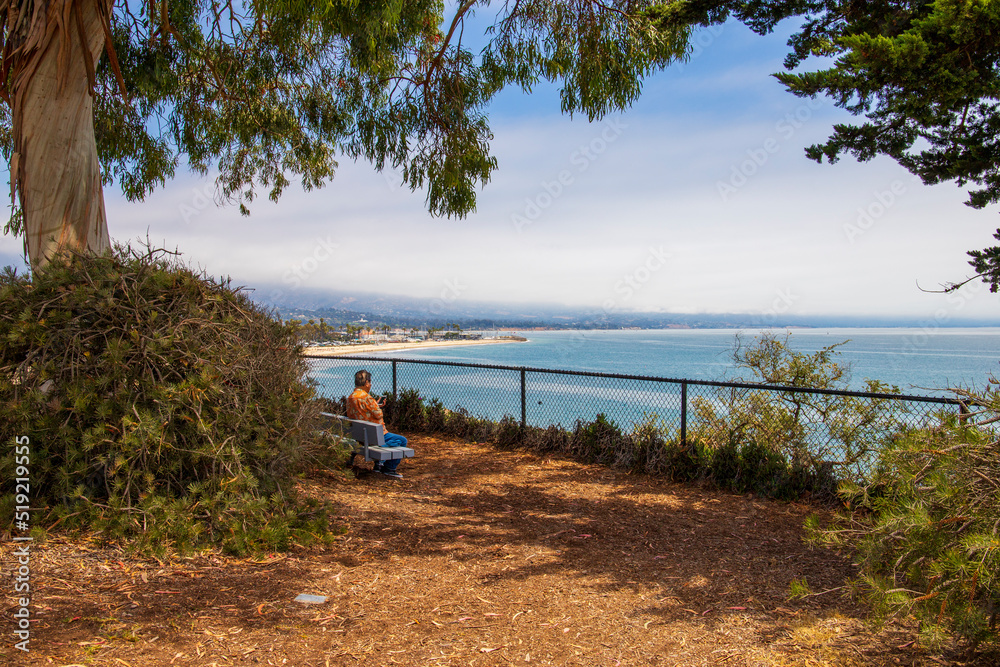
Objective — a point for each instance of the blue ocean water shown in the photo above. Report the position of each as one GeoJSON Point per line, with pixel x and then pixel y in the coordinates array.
{"type": "Point", "coordinates": [917, 361]}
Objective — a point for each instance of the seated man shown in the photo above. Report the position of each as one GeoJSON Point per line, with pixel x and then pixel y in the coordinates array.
{"type": "Point", "coordinates": [361, 405]}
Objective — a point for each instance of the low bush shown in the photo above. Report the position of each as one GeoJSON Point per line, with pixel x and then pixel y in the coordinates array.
{"type": "Point", "coordinates": [751, 467]}
{"type": "Point", "coordinates": [163, 408]}
{"type": "Point", "coordinates": [598, 441]}
{"type": "Point", "coordinates": [552, 439]}
{"type": "Point", "coordinates": [405, 412]}
{"type": "Point", "coordinates": [436, 416]}
{"type": "Point", "coordinates": [507, 434]}
{"type": "Point", "coordinates": [649, 447]}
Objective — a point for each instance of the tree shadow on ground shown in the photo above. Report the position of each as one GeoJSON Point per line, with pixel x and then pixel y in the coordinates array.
{"type": "Point", "coordinates": [454, 560]}
{"type": "Point", "coordinates": [708, 553]}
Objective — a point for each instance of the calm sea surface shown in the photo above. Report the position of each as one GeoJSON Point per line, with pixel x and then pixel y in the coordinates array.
{"type": "Point", "coordinates": [918, 361]}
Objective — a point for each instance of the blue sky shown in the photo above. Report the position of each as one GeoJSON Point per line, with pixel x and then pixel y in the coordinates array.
{"type": "Point", "coordinates": [697, 199]}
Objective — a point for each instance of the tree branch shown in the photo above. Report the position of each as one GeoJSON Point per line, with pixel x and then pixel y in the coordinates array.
{"type": "Point", "coordinates": [949, 287]}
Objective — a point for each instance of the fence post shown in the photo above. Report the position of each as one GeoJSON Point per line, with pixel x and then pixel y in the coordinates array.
{"type": "Point", "coordinates": [524, 402]}
{"type": "Point", "coordinates": [684, 414]}
{"type": "Point", "coordinates": [394, 379]}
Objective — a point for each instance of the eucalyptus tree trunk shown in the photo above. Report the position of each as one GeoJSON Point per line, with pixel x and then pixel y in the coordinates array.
{"type": "Point", "coordinates": [54, 49]}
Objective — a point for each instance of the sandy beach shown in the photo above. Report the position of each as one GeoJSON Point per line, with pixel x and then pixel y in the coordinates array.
{"type": "Point", "coordinates": [339, 350]}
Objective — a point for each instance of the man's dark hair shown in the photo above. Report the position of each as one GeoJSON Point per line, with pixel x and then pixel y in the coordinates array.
{"type": "Point", "coordinates": [361, 378]}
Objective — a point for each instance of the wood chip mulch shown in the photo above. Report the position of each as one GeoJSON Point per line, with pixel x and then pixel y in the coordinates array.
{"type": "Point", "coordinates": [480, 558]}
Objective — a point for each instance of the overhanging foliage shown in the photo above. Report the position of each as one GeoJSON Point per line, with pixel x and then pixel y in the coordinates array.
{"type": "Point", "coordinates": [269, 90]}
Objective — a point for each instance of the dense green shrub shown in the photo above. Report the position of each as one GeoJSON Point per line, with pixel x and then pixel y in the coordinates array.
{"type": "Point", "coordinates": [545, 440]}
{"type": "Point", "coordinates": [508, 433]}
{"type": "Point", "coordinates": [463, 425]}
{"type": "Point", "coordinates": [162, 407]}
{"type": "Point", "coordinates": [405, 412]}
{"type": "Point", "coordinates": [749, 466]}
{"type": "Point", "coordinates": [598, 441]}
{"type": "Point", "coordinates": [436, 416]}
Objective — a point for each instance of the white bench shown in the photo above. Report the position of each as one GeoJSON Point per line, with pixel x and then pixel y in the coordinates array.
{"type": "Point", "coordinates": [370, 439]}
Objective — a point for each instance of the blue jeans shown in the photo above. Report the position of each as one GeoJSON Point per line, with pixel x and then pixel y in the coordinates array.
{"type": "Point", "coordinates": [393, 440]}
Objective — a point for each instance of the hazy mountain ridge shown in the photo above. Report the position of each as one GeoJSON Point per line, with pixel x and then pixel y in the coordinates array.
{"type": "Point", "coordinates": [341, 307]}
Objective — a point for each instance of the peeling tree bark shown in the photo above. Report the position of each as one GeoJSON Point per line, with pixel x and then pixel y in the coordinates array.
{"type": "Point", "coordinates": [51, 54]}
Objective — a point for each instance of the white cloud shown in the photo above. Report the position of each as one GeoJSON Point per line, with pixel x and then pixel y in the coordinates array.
{"type": "Point", "coordinates": [792, 226]}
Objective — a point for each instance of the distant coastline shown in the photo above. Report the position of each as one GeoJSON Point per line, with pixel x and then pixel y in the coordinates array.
{"type": "Point", "coordinates": [924, 361]}
{"type": "Point", "coordinates": [367, 348]}
{"type": "Point", "coordinates": [338, 309]}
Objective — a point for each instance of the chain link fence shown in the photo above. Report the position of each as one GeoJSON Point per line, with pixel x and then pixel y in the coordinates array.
{"type": "Point", "coordinates": [814, 427]}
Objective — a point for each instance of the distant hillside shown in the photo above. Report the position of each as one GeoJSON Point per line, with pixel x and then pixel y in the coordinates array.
{"type": "Point", "coordinates": [339, 308]}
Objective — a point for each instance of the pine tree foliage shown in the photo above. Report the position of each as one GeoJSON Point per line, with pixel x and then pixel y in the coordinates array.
{"type": "Point", "coordinates": [925, 75]}
{"type": "Point", "coordinates": [927, 527]}
{"type": "Point", "coordinates": [162, 407]}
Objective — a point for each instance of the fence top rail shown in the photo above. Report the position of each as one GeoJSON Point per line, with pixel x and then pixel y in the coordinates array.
{"type": "Point", "coordinates": [649, 378]}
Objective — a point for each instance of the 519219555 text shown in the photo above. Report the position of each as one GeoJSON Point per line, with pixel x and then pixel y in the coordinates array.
{"type": "Point", "coordinates": [22, 552]}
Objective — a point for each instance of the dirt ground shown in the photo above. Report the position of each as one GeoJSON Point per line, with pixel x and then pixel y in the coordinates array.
{"type": "Point", "coordinates": [477, 557]}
